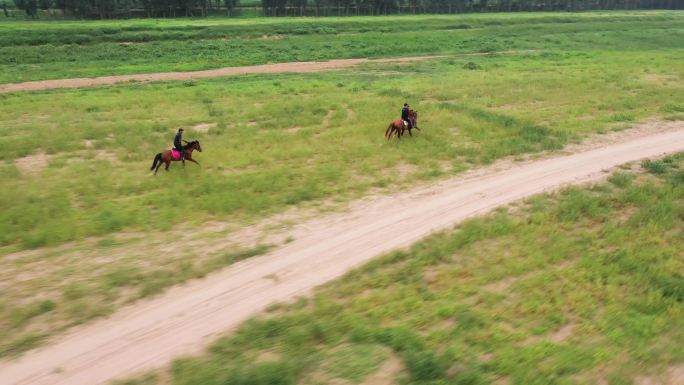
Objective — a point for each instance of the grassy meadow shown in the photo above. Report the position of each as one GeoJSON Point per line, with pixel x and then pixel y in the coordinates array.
{"type": "Point", "coordinates": [279, 140]}
{"type": "Point", "coordinates": [85, 228]}
{"type": "Point", "coordinates": [584, 286]}
{"type": "Point", "coordinates": [63, 49]}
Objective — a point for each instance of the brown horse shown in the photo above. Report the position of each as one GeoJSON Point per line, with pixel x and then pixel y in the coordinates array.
{"type": "Point", "coordinates": [167, 156]}
{"type": "Point", "coordinates": [397, 127]}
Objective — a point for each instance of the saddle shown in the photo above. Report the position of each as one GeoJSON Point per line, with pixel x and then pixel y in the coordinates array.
{"type": "Point", "coordinates": [405, 123]}
{"type": "Point", "coordinates": [175, 154]}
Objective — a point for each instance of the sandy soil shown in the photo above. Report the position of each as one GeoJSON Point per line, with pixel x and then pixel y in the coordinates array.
{"type": "Point", "coordinates": [186, 318]}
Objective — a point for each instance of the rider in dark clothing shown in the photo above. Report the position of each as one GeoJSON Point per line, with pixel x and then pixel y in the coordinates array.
{"type": "Point", "coordinates": [178, 143]}
{"type": "Point", "coordinates": [405, 114]}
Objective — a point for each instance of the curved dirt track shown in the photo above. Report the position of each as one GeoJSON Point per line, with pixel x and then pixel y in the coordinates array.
{"type": "Point", "coordinates": [184, 319]}
{"type": "Point", "coordinates": [298, 67]}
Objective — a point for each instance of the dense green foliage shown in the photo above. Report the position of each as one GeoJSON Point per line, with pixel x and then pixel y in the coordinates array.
{"type": "Point", "coordinates": [48, 50]}
{"type": "Point", "coordinates": [384, 7]}
{"type": "Point", "coordinates": [171, 8]}
{"type": "Point", "coordinates": [580, 287]}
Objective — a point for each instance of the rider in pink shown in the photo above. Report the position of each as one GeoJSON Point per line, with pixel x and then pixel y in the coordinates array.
{"type": "Point", "coordinates": [178, 143]}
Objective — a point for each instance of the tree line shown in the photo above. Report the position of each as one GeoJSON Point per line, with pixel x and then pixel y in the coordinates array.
{"type": "Point", "coordinates": [107, 9]}
{"type": "Point", "coordinates": [386, 7]}
{"type": "Point", "coordinates": [174, 8]}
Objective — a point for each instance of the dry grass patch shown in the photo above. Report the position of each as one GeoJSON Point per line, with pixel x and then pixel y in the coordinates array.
{"type": "Point", "coordinates": [33, 163]}
{"type": "Point", "coordinates": [203, 127]}
{"type": "Point", "coordinates": [663, 79]}
{"type": "Point", "coordinates": [106, 155]}
{"type": "Point", "coordinates": [673, 375]}
{"type": "Point", "coordinates": [388, 373]}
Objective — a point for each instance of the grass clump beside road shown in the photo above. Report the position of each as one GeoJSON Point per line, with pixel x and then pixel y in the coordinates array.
{"type": "Point", "coordinates": [51, 50]}
{"type": "Point", "coordinates": [580, 287]}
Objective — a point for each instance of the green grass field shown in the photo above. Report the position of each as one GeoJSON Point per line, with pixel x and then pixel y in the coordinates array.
{"type": "Point", "coordinates": [580, 287]}
{"type": "Point", "coordinates": [83, 224]}
{"type": "Point", "coordinates": [281, 140]}
{"type": "Point", "coordinates": [48, 50]}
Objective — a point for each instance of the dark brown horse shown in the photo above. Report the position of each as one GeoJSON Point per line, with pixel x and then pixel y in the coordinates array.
{"type": "Point", "coordinates": [167, 156]}
{"type": "Point", "coordinates": [398, 126]}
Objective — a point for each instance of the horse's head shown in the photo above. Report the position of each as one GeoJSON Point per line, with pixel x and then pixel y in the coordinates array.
{"type": "Point", "coordinates": [194, 145]}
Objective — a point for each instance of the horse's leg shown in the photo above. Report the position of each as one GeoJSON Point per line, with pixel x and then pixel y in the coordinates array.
{"type": "Point", "coordinates": [162, 161]}
{"type": "Point", "coordinates": [194, 161]}
{"type": "Point", "coordinates": [157, 159]}
{"type": "Point", "coordinates": [168, 163]}
{"type": "Point", "coordinates": [399, 131]}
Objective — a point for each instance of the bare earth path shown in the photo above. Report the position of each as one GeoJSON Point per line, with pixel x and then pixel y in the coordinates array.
{"type": "Point", "coordinates": [182, 321]}
{"type": "Point", "coordinates": [299, 67]}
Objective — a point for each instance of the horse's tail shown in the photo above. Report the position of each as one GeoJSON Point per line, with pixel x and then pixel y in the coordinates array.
{"type": "Point", "coordinates": [157, 159]}
{"type": "Point", "coordinates": [388, 132]}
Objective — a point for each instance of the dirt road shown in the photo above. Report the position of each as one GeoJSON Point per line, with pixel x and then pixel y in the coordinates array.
{"type": "Point", "coordinates": [296, 67]}
{"type": "Point", "coordinates": [185, 318]}
{"type": "Point", "coordinates": [299, 67]}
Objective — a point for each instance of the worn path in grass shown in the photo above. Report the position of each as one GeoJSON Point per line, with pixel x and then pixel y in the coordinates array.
{"type": "Point", "coordinates": [183, 320]}
{"type": "Point", "coordinates": [297, 67]}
